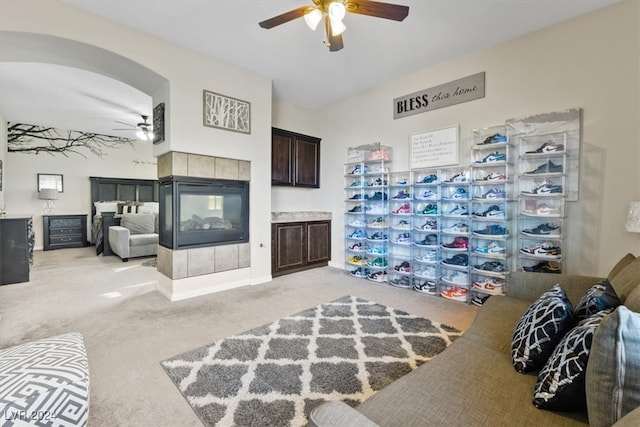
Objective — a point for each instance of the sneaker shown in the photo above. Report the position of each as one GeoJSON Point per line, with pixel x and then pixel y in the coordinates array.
{"type": "Point", "coordinates": [548, 167]}
{"type": "Point", "coordinates": [425, 272]}
{"type": "Point", "coordinates": [492, 248]}
{"type": "Point", "coordinates": [357, 247]}
{"type": "Point", "coordinates": [459, 177]}
{"type": "Point", "coordinates": [428, 226]}
{"type": "Point", "coordinates": [378, 182]}
{"type": "Point", "coordinates": [429, 256]}
{"type": "Point", "coordinates": [401, 282]}
{"type": "Point", "coordinates": [425, 286]}
{"type": "Point", "coordinates": [427, 195]}
{"type": "Point", "coordinates": [545, 229]}
{"type": "Point", "coordinates": [360, 272]}
{"type": "Point", "coordinates": [402, 195]}
{"type": "Point", "coordinates": [355, 184]}
{"type": "Point", "coordinates": [357, 260]}
{"type": "Point", "coordinates": [378, 276]}
{"type": "Point", "coordinates": [547, 147]}
{"type": "Point", "coordinates": [378, 250]}
{"type": "Point", "coordinates": [546, 188]}
{"type": "Point", "coordinates": [430, 209]}
{"type": "Point", "coordinates": [459, 194]}
{"type": "Point", "coordinates": [461, 243]}
{"type": "Point", "coordinates": [357, 234]}
{"type": "Point", "coordinates": [357, 223]}
{"type": "Point", "coordinates": [492, 211]}
{"type": "Point", "coordinates": [402, 239]}
{"type": "Point", "coordinates": [459, 228]}
{"type": "Point", "coordinates": [491, 266]}
{"type": "Point", "coordinates": [359, 197]}
{"type": "Point", "coordinates": [495, 193]}
{"type": "Point", "coordinates": [458, 210]}
{"type": "Point", "coordinates": [460, 260]}
{"type": "Point", "coordinates": [492, 230]}
{"type": "Point", "coordinates": [429, 240]}
{"type": "Point", "coordinates": [494, 176]}
{"type": "Point", "coordinates": [493, 157]}
{"type": "Point", "coordinates": [401, 181]}
{"type": "Point", "coordinates": [496, 138]}
{"type": "Point", "coordinates": [457, 278]}
{"type": "Point", "coordinates": [378, 236]}
{"type": "Point", "coordinates": [479, 301]}
{"type": "Point", "coordinates": [403, 267]}
{"type": "Point", "coordinates": [405, 209]}
{"type": "Point", "coordinates": [543, 249]}
{"type": "Point", "coordinates": [544, 210]}
{"type": "Point", "coordinates": [543, 267]}
{"type": "Point", "coordinates": [456, 293]}
{"type": "Point", "coordinates": [358, 170]}
{"type": "Point", "coordinates": [379, 222]}
{"type": "Point", "coordinates": [378, 262]}
{"type": "Point", "coordinates": [376, 209]}
{"type": "Point", "coordinates": [378, 195]}
{"type": "Point", "coordinates": [489, 285]}
{"type": "Point", "coordinates": [402, 225]}
{"type": "Point", "coordinates": [356, 208]}
{"type": "Point", "coordinates": [429, 179]}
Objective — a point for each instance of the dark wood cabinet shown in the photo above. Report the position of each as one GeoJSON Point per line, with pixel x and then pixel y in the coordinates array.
{"type": "Point", "coordinates": [16, 249]}
{"type": "Point", "coordinates": [64, 231]}
{"type": "Point", "coordinates": [297, 246]}
{"type": "Point", "coordinates": [295, 159]}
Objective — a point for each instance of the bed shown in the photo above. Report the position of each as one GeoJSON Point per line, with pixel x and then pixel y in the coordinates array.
{"type": "Point", "coordinates": [106, 193]}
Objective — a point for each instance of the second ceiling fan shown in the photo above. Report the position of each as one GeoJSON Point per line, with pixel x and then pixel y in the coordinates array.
{"type": "Point", "coordinates": [333, 11]}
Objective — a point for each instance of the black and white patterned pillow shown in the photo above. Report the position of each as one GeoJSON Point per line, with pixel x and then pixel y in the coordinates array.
{"type": "Point", "coordinates": [540, 329]}
{"type": "Point", "coordinates": [599, 297]}
{"type": "Point", "coordinates": [561, 382]}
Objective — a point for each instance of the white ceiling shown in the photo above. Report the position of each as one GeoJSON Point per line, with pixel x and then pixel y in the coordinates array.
{"type": "Point", "coordinates": [303, 70]}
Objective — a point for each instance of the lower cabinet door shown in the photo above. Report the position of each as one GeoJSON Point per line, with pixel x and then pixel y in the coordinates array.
{"type": "Point", "coordinates": [288, 246]}
{"type": "Point", "coordinates": [318, 242]}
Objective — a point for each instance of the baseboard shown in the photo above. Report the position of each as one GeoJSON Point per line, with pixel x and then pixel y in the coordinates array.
{"type": "Point", "coordinates": [336, 264]}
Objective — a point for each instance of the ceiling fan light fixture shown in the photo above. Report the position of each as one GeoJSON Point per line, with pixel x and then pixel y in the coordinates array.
{"type": "Point", "coordinates": [141, 135]}
{"type": "Point", "coordinates": [337, 12]}
{"type": "Point", "coordinates": [313, 18]}
{"type": "Point", "coordinates": [337, 28]}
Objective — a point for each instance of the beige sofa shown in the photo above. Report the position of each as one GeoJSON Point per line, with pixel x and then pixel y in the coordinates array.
{"type": "Point", "coordinates": [136, 236]}
{"type": "Point", "coordinates": [474, 383]}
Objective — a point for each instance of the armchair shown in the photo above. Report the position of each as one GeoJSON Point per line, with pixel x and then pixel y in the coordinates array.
{"type": "Point", "coordinates": [136, 236]}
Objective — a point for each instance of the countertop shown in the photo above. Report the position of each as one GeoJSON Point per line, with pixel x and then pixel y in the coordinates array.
{"type": "Point", "coordinates": [300, 216]}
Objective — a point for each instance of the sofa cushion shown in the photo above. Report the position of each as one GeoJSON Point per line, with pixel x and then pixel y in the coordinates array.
{"type": "Point", "coordinates": [633, 300]}
{"type": "Point", "coordinates": [560, 384]}
{"type": "Point", "coordinates": [627, 279]}
{"type": "Point", "coordinates": [613, 371]}
{"type": "Point", "coordinates": [620, 265]}
{"type": "Point", "coordinates": [138, 223]}
{"type": "Point", "coordinates": [599, 297]}
{"type": "Point", "coordinates": [540, 329]}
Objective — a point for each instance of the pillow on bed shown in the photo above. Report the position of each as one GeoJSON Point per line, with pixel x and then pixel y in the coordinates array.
{"type": "Point", "coordinates": [149, 207]}
{"type": "Point", "coordinates": [105, 207]}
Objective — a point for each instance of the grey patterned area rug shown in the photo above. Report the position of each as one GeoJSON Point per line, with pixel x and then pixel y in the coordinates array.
{"type": "Point", "coordinates": [276, 374]}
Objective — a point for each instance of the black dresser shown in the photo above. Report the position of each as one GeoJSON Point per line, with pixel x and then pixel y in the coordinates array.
{"type": "Point", "coordinates": [16, 249]}
{"type": "Point", "coordinates": [64, 231]}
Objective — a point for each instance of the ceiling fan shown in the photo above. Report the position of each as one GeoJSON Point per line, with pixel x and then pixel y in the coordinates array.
{"type": "Point", "coordinates": [144, 129]}
{"type": "Point", "coordinates": [333, 11]}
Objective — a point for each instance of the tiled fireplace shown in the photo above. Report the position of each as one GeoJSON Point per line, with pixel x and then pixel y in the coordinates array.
{"type": "Point", "coordinates": [217, 212]}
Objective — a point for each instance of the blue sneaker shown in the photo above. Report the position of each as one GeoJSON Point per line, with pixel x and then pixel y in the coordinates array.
{"type": "Point", "coordinates": [357, 234]}
{"type": "Point", "coordinates": [493, 157]}
{"type": "Point", "coordinates": [429, 179]}
{"type": "Point", "coordinates": [459, 194]}
{"type": "Point", "coordinates": [358, 170]}
{"type": "Point", "coordinates": [492, 230]}
{"type": "Point", "coordinates": [496, 138]}
{"type": "Point", "coordinates": [402, 195]}
{"type": "Point", "coordinates": [379, 196]}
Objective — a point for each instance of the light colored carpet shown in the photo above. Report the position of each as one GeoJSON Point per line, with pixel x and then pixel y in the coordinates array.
{"type": "Point", "coordinates": [129, 328]}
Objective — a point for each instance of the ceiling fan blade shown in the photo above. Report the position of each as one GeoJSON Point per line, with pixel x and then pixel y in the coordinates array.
{"type": "Point", "coordinates": [378, 9]}
{"type": "Point", "coordinates": [335, 42]}
{"type": "Point", "coordinates": [126, 124]}
{"type": "Point", "coordinates": [124, 129]}
{"type": "Point", "coordinates": [285, 17]}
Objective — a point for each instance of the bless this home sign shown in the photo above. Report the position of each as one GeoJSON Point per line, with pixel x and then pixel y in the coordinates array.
{"type": "Point", "coordinates": [444, 95]}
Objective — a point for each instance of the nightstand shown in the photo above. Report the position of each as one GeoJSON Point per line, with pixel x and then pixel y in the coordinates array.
{"type": "Point", "coordinates": [64, 231]}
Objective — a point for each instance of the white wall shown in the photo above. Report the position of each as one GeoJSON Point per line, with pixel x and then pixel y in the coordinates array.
{"type": "Point", "coordinates": [188, 73]}
{"type": "Point", "coordinates": [3, 154]}
{"type": "Point", "coordinates": [21, 196]}
{"type": "Point", "coordinates": [590, 62]}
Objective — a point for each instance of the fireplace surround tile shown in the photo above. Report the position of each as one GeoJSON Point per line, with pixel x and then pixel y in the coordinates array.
{"type": "Point", "coordinates": [226, 168]}
{"type": "Point", "coordinates": [244, 170]}
{"type": "Point", "coordinates": [244, 255]}
{"type": "Point", "coordinates": [201, 261]}
{"type": "Point", "coordinates": [226, 257]}
{"type": "Point", "coordinates": [201, 166]}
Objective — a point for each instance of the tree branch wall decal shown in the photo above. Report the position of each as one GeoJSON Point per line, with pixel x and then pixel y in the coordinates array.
{"type": "Point", "coordinates": [32, 139]}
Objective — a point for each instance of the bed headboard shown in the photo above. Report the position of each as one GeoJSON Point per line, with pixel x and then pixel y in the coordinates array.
{"type": "Point", "coordinates": [125, 189]}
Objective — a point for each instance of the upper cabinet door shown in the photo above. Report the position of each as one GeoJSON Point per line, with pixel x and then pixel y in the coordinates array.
{"type": "Point", "coordinates": [295, 159]}
{"type": "Point", "coordinates": [282, 147]}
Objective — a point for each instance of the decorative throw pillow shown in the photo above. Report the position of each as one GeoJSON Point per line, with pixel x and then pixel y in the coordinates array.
{"type": "Point", "coordinates": [128, 207]}
{"type": "Point", "coordinates": [540, 329]}
{"type": "Point", "coordinates": [561, 382]}
{"type": "Point", "coordinates": [599, 297]}
{"type": "Point", "coordinates": [627, 280]}
{"type": "Point", "coordinates": [139, 223]}
{"type": "Point", "coordinates": [105, 207]}
{"type": "Point", "coordinates": [613, 372]}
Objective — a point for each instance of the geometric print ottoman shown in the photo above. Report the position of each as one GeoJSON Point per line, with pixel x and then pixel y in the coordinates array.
{"type": "Point", "coordinates": [45, 383]}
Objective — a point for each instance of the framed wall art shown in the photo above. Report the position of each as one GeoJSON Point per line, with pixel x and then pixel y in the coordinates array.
{"type": "Point", "coordinates": [50, 181]}
{"type": "Point", "coordinates": [434, 148]}
{"type": "Point", "coordinates": [225, 112]}
{"type": "Point", "coordinates": [158, 123]}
